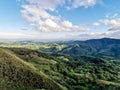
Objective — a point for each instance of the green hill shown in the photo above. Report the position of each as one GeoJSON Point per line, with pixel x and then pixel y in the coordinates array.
{"type": "Point", "coordinates": [16, 74]}
{"type": "Point", "coordinates": [26, 69]}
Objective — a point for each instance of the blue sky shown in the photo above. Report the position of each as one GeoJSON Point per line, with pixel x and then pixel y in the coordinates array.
{"type": "Point", "coordinates": [59, 19]}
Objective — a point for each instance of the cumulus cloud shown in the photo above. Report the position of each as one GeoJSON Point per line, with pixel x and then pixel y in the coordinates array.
{"type": "Point", "coordinates": [36, 13]}
{"type": "Point", "coordinates": [113, 24]}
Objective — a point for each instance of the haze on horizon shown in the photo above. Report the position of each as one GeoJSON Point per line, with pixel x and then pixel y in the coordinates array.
{"type": "Point", "coordinates": [59, 19]}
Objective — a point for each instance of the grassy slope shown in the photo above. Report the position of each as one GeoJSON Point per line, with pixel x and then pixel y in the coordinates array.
{"type": "Point", "coordinates": [16, 74]}
{"type": "Point", "coordinates": [61, 72]}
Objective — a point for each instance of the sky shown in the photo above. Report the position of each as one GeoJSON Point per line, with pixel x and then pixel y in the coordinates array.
{"type": "Point", "coordinates": [59, 19]}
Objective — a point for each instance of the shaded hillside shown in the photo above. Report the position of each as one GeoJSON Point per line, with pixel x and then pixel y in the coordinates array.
{"type": "Point", "coordinates": [16, 74]}
{"type": "Point", "coordinates": [95, 47]}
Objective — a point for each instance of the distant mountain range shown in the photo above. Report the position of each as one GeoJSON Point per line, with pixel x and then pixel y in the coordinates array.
{"type": "Point", "coordinates": [105, 47]}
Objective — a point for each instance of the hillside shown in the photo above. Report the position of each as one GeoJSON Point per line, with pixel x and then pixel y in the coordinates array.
{"type": "Point", "coordinates": [16, 74]}
{"type": "Point", "coordinates": [22, 69]}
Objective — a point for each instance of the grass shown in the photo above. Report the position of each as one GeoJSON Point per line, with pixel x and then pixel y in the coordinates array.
{"type": "Point", "coordinates": [16, 74]}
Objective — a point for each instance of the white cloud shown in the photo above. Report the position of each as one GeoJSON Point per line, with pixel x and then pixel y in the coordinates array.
{"type": "Point", "coordinates": [36, 13]}
{"type": "Point", "coordinates": [96, 24]}
{"type": "Point", "coordinates": [113, 24]}
{"type": "Point", "coordinates": [46, 4]}
{"type": "Point", "coordinates": [84, 3]}
{"type": "Point", "coordinates": [71, 4]}
{"type": "Point", "coordinates": [95, 35]}
{"type": "Point", "coordinates": [51, 23]}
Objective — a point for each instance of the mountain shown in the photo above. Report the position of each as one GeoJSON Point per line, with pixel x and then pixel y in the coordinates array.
{"type": "Point", "coordinates": [17, 74]}
{"type": "Point", "coordinates": [105, 47]}
{"type": "Point", "coordinates": [26, 69]}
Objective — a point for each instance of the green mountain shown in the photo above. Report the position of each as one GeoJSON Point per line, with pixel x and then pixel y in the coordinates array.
{"type": "Point", "coordinates": [17, 74]}
{"type": "Point", "coordinates": [105, 47]}
{"type": "Point", "coordinates": [26, 69]}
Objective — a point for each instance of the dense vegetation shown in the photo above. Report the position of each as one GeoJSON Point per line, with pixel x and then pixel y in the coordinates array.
{"type": "Point", "coordinates": [75, 65]}
{"type": "Point", "coordinates": [16, 74]}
